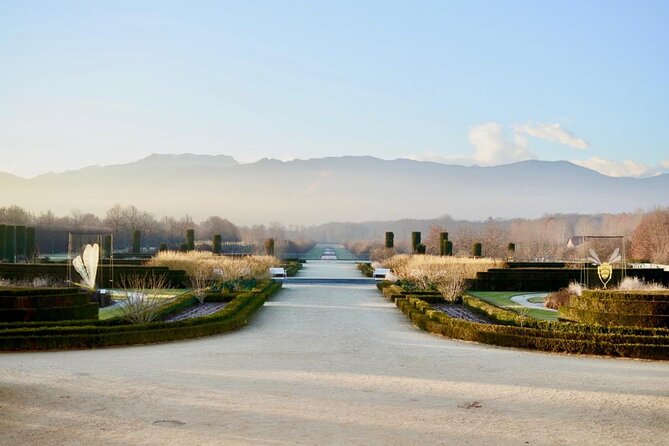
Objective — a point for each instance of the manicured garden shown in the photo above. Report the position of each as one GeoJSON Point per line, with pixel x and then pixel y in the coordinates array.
{"type": "Point", "coordinates": [600, 322]}
{"type": "Point", "coordinates": [146, 309]}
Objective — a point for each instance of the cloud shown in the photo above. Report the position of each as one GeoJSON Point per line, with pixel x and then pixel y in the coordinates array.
{"type": "Point", "coordinates": [664, 164]}
{"type": "Point", "coordinates": [551, 132]}
{"type": "Point", "coordinates": [493, 146]}
{"type": "Point", "coordinates": [627, 168]}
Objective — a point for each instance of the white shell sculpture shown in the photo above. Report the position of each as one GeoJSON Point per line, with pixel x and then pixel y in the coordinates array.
{"type": "Point", "coordinates": [87, 265]}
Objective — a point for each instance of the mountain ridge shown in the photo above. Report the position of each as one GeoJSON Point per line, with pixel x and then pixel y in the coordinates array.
{"type": "Point", "coordinates": [320, 190]}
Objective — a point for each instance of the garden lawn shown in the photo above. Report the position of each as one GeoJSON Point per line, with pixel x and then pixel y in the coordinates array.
{"type": "Point", "coordinates": [503, 299]}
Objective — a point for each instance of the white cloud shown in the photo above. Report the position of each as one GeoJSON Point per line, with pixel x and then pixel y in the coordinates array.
{"type": "Point", "coordinates": [493, 146]}
{"type": "Point", "coordinates": [627, 168]}
{"type": "Point", "coordinates": [551, 132]}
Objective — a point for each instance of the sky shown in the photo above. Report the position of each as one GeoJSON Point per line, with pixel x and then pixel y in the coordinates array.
{"type": "Point", "coordinates": [460, 82]}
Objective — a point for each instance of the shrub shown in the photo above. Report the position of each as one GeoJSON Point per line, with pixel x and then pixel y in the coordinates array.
{"type": "Point", "coordinates": [142, 298]}
{"type": "Point", "coordinates": [558, 299]}
{"type": "Point", "coordinates": [190, 239]}
{"type": "Point", "coordinates": [614, 307]}
{"type": "Point", "coordinates": [217, 244]}
{"type": "Point", "coordinates": [390, 240]}
{"type": "Point", "coordinates": [415, 241]}
{"type": "Point", "coordinates": [477, 250]}
{"type": "Point", "coordinates": [366, 268]}
{"type": "Point", "coordinates": [136, 241]}
{"type": "Point", "coordinates": [443, 238]}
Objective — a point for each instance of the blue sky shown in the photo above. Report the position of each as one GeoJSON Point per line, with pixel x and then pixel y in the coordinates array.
{"type": "Point", "coordinates": [469, 82]}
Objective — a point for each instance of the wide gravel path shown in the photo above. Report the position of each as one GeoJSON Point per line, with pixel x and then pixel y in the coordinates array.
{"type": "Point", "coordinates": [329, 365]}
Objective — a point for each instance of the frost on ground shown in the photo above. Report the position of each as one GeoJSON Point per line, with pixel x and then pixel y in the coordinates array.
{"type": "Point", "coordinates": [329, 365]}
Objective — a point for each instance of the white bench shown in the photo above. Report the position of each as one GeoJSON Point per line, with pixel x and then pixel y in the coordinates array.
{"type": "Point", "coordinates": [380, 273]}
{"type": "Point", "coordinates": [277, 272]}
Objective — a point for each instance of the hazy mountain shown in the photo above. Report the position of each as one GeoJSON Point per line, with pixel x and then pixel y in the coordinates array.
{"type": "Point", "coordinates": [333, 189]}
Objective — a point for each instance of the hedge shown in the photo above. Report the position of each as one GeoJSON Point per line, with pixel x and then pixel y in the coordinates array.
{"type": "Point", "coordinates": [526, 276]}
{"type": "Point", "coordinates": [58, 271]}
{"type": "Point", "coordinates": [292, 267]}
{"type": "Point", "coordinates": [108, 333]}
{"type": "Point", "coordinates": [507, 317]}
{"type": "Point", "coordinates": [569, 339]}
{"type": "Point", "coordinates": [366, 269]}
{"type": "Point", "coordinates": [613, 307]}
{"type": "Point", "coordinates": [43, 304]}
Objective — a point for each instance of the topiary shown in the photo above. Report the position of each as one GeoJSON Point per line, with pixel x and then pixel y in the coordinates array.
{"type": "Point", "coordinates": [390, 240]}
{"type": "Point", "coordinates": [31, 247]}
{"type": "Point", "coordinates": [136, 241]}
{"type": "Point", "coordinates": [190, 240]}
{"type": "Point", "coordinates": [217, 244]}
{"type": "Point", "coordinates": [415, 241]}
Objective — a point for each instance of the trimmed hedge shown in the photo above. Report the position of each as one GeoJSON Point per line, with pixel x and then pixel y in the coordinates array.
{"type": "Point", "coordinates": [114, 332]}
{"type": "Point", "coordinates": [527, 276]}
{"type": "Point", "coordinates": [44, 304]}
{"type": "Point", "coordinates": [507, 317]}
{"type": "Point", "coordinates": [292, 267]}
{"type": "Point", "coordinates": [58, 271]}
{"type": "Point", "coordinates": [611, 344]}
{"type": "Point", "coordinates": [612, 307]}
{"type": "Point", "coordinates": [366, 269]}
{"type": "Point", "coordinates": [514, 330]}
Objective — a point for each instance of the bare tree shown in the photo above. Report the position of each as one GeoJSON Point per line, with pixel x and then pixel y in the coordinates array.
{"type": "Point", "coordinates": [650, 240]}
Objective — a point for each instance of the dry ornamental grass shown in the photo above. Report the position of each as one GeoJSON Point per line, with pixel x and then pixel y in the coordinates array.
{"type": "Point", "coordinates": [214, 267]}
{"type": "Point", "coordinates": [448, 275]}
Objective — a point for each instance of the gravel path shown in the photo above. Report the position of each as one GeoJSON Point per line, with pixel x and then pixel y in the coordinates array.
{"type": "Point", "coordinates": [329, 365]}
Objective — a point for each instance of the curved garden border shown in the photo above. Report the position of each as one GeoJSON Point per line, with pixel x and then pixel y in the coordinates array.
{"type": "Point", "coordinates": [517, 331]}
{"type": "Point", "coordinates": [90, 334]}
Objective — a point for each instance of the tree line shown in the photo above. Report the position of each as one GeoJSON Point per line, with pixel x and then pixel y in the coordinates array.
{"type": "Point", "coordinates": [546, 238]}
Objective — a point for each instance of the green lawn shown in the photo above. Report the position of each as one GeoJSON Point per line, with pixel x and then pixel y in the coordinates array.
{"type": "Point", "coordinates": [503, 299]}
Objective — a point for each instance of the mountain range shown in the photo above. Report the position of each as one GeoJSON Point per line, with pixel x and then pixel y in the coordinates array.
{"type": "Point", "coordinates": [349, 188]}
